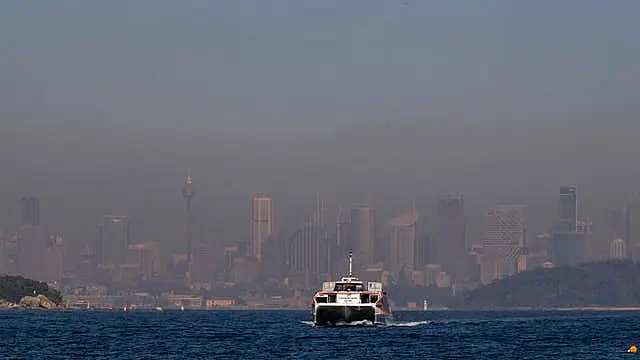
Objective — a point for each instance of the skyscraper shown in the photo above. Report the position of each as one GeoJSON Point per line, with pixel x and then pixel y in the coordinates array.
{"type": "Point", "coordinates": [32, 241]}
{"type": "Point", "coordinates": [30, 207]}
{"type": "Point", "coordinates": [342, 228]}
{"type": "Point", "coordinates": [261, 226]}
{"type": "Point", "coordinates": [450, 246]}
{"type": "Point", "coordinates": [361, 235]}
{"type": "Point", "coordinates": [403, 238]}
{"type": "Point", "coordinates": [617, 249]}
{"type": "Point", "coordinates": [632, 229]}
{"type": "Point", "coordinates": [568, 209]}
{"type": "Point", "coordinates": [318, 216]}
{"type": "Point", "coordinates": [338, 250]}
{"type": "Point", "coordinates": [55, 257]}
{"type": "Point", "coordinates": [567, 244]}
{"type": "Point", "coordinates": [304, 251]}
{"type": "Point", "coordinates": [114, 240]}
{"type": "Point", "coordinates": [506, 226]}
{"type": "Point", "coordinates": [502, 248]}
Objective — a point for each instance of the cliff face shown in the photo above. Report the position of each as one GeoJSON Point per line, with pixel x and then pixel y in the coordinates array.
{"type": "Point", "coordinates": [608, 283]}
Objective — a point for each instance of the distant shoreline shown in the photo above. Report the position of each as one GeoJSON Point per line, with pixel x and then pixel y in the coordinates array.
{"type": "Point", "coordinates": [561, 308]}
{"type": "Point", "coordinates": [439, 309]}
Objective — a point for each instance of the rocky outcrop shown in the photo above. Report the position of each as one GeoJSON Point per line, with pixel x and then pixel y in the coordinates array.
{"type": "Point", "coordinates": [36, 302]}
{"type": "Point", "coordinates": [7, 304]}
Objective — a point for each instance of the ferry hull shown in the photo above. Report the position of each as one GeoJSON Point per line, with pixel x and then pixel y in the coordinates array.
{"type": "Point", "coordinates": [331, 315]}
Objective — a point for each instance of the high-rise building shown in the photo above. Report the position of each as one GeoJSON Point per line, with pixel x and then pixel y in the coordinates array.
{"type": "Point", "coordinates": [506, 226]}
{"type": "Point", "coordinates": [568, 209]}
{"type": "Point", "coordinates": [569, 238]}
{"type": "Point", "coordinates": [146, 258]}
{"type": "Point", "coordinates": [362, 235]}
{"type": "Point", "coordinates": [502, 248]}
{"type": "Point", "coordinates": [113, 241]}
{"type": "Point", "coordinates": [342, 227]}
{"type": "Point", "coordinates": [338, 244]}
{"type": "Point", "coordinates": [424, 251]}
{"type": "Point", "coordinates": [617, 249]}
{"type": "Point", "coordinates": [203, 264]}
{"type": "Point", "coordinates": [613, 228]}
{"type": "Point", "coordinates": [10, 254]}
{"type": "Point", "coordinates": [450, 246]}
{"type": "Point", "coordinates": [403, 238]}
{"type": "Point", "coordinates": [32, 241]}
{"type": "Point", "coordinates": [261, 226]}
{"type": "Point", "coordinates": [304, 251]}
{"type": "Point", "coordinates": [317, 218]}
{"type": "Point", "coordinates": [632, 229]}
{"type": "Point", "coordinates": [55, 258]}
{"type": "Point", "coordinates": [30, 207]}
{"type": "Point", "coordinates": [274, 258]}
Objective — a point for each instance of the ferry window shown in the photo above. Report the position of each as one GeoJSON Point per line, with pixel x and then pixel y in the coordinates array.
{"type": "Point", "coordinates": [364, 298]}
{"type": "Point", "coordinates": [339, 287]}
{"type": "Point", "coordinates": [359, 287]}
{"type": "Point", "coordinates": [350, 287]}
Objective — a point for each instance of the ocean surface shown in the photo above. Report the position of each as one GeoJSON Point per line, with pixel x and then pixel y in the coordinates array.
{"type": "Point", "coordinates": [290, 335]}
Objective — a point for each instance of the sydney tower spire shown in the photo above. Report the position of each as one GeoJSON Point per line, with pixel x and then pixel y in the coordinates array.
{"type": "Point", "coordinates": [187, 194]}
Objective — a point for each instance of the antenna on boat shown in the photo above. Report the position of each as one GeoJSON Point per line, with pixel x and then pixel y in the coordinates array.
{"type": "Point", "coordinates": [350, 263]}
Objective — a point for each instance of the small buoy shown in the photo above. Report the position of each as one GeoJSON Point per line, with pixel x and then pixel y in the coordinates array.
{"type": "Point", "coordinates": [633, 349]}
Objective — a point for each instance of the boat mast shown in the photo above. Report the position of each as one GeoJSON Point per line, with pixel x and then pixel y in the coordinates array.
{"type": "Point", "coordinates": [350, 263]}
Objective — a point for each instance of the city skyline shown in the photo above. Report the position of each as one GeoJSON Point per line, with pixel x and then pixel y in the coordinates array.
{"type": "Point", "coordinates": [431, 98]}
{"type": "Point", "coordinates": [399, 251]}
{"type": "Point", "coordinates": [241, 149]}
{"type": "Point", "coordinates": [365, 244]}
{"type": "Point", "coordinates": [30, 206]}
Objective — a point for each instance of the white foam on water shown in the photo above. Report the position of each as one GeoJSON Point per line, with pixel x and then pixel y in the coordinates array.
{"type": "Point", "coordinates": [369, 323]}
{"type": "Point", "coordinates": [408, 323]}
{"type": "Point", "coordinates": [356, 323]}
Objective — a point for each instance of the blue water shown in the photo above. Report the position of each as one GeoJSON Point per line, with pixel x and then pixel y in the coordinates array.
{"type": "Point", "coordinates": [290, 335]}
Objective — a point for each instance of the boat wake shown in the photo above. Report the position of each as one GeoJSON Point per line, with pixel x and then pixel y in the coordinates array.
{"type": "Point", "coordinates": [366, 323]}
{"type": "Point", "coordinates": [408, 323]}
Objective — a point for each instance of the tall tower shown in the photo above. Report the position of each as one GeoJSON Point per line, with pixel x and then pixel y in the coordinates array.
{"type": "Point", "coordinates": [30, 207]}
{"type": "Point", "coordinates": [187, 194]}
{"type": "Point", "coordinates": [569, 237]}
{"type": "Point", "coordinates": [261, 226]}
{"type": "Point", "coordinates": [451, 238]}
{"type": "Point", "coordinates": [114, 239]}
{"type": "Point", "coordinates": [632, 228]}
{"type": "Point", "coordinates": [362, 235]}
{"type": "Point", "coordinates": [568, 209]}
{"type": "Point", "coordinates": [32, 244]}
{"type": "Point", "coordinates": [505, 239]}
{"type": "Point", "coordinates": [403, 238]}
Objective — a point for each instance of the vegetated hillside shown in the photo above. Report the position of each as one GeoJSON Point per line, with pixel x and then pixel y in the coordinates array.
{"type": "Point", "coordinates": [606, 283]}
{"type": "Point", "coordinates": [14, 288]}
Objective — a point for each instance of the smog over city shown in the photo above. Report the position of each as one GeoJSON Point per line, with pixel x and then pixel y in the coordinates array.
{"type": "Point", "coordinates": [399, 130]}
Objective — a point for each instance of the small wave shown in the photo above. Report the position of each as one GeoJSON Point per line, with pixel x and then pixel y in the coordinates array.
{"type": "Point", "coordinates": [408, 323]}
{"type": "Point", "coordinates": [353, 323]}
{"type": "Point", "coordinates": [369, 323]}
{"type": "Point", "coordinates": [356, 323]}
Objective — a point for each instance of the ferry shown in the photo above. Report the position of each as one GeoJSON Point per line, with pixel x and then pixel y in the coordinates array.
{"type": "Point", "coordinates": [351, 301]}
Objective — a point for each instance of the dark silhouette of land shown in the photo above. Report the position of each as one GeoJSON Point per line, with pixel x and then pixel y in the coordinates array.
{"type": "Point", "coordinates": [14, 288]}
{"type": "Point", "coordinates": [598, 284]}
